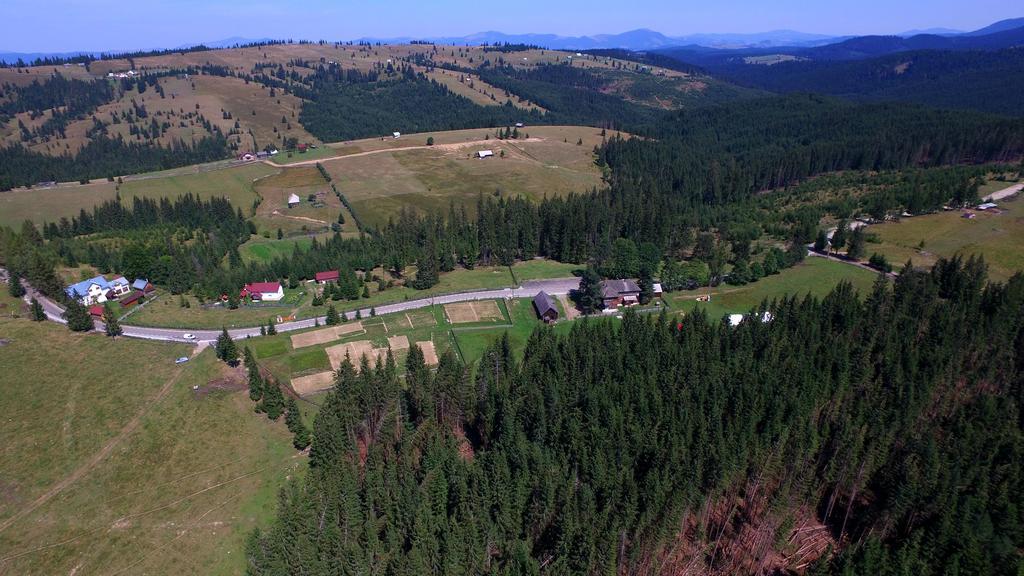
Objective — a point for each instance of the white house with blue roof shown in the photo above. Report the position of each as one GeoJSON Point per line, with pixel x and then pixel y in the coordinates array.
{"type": "Point", "coordinates": [98, 290]}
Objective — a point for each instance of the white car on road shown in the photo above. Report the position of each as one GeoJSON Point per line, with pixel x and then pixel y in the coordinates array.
{"type": "Point", "coordinates": [188, 336]}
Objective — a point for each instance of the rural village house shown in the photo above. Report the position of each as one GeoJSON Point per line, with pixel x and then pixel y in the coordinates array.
{"type": "Point", "coordinates": [98, 290]}
{"type": "Point", "coordinates": [260, 291]}
{"type": "Point", "coordinates": [143, 285]}
{"type": "Point", "coordinates": [544, 304]}
{"type": "Point", "coordinates": [615, 293]}
{"type": "Point", "coordinates": [326, 276]}
{"type": "Point", "coordinates": [294, 200]}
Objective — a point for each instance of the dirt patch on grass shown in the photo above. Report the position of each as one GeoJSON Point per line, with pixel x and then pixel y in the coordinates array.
{"type": "Point", "coordinates": [228, 384]}
{"type": "Point", "coordinates": [571, 312]}
{"type": "Point", "coordinates": [398, 342]}
{"type": "Point", "coordinates": [467, 312]}
{"type": "Point", "coordinates": [354, 351]}
{"type": "Point", "coordinates": [429, 352]}
{"type": "Point", "coordinates": [325, 335]}
{"type": "Point", "coordinates": [312, 384]}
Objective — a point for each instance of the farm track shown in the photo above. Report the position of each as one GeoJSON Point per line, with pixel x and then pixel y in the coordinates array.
{"type": "Point", "coordinates": [444, 147]}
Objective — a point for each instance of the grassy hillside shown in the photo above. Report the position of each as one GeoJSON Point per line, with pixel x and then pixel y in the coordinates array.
{"type": "Point", "coordinates": [997, 236]}
{"type": "Point", "coordinates": [549, 163]}
{"type": "Point", "coordinates": [50, 204]}
{"type": "Point", "coordinates": [113, 464]}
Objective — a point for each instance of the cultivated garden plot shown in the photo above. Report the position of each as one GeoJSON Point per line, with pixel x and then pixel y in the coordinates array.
{"type": "Point", "coordinates": [306, 385]}
{"type": "Point", "coordinates": [469, 312]}
{"type": "Point", "coordinates": [325, 335]}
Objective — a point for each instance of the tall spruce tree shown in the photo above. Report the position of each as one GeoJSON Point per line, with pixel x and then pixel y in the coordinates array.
{"type": "Point", "coordinates": [78, 317]}
{"type": "Point", "coordinates": [111, 327]}
{"type": "Point", "coordinates": [36, 311]}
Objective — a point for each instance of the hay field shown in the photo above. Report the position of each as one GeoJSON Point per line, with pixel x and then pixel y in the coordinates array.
{"type": "Point", "coordinates": [50, 204]}
{"type": "Point", "coordinates": [428, 178]}
{"type": "Point", "coordinates": [306, 385]}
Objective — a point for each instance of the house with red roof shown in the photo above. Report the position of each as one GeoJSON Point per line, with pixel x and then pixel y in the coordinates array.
{"type": "Point", "coordinates": [269, 291]}
{"type": "Point", "coordinates": [96, 311]}
{"type": "Point", "coordinates": [326, 276]}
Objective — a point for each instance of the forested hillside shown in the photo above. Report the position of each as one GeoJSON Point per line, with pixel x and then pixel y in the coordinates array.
{"type": "Point", "coordinates": [648, 447]}
{"type": "Point", "coordinates": [159, 106]}
{"type": "Point", "coordinates": [974, 80]}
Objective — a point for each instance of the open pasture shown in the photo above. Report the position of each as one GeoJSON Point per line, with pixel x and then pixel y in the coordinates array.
{"type": "Point", "coordinates": [997, 235]}
{"type": "Point", "coordinates": [410, 174]}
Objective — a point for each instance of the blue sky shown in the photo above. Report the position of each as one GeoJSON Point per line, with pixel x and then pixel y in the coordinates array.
{"type": "Point", "coordinates": [64, 25]}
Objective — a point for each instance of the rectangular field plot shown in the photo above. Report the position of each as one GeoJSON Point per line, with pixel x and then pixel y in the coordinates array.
{"type": "Point", "coordinates": [325, 335]}
{"type": "Point", "coordinates": [429, 352]}
{"type": "Point", "coordinates": [307, 385]}
{"type": "Point", "coordinates": [419, 318]}
{"type": "Point", "coordinates": [469, 312]}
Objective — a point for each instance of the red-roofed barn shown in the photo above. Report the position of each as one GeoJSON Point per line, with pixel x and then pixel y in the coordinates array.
{"type": "Point", "coordinates": [326, 276]}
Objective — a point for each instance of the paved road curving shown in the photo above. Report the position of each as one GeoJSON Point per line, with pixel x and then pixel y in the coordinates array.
{"type": "Point", "coordinates": [529, 289]}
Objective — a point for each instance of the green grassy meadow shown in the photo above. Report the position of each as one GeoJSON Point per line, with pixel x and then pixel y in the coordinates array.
{"type": "Point", "coordinates": [815, 276]}
{"type": "Point", "coordinates": [997, 237]}
{"type": "Point", "coordinates": [178, 493]}
{"type": "Point", "coordinates": [50, 204]}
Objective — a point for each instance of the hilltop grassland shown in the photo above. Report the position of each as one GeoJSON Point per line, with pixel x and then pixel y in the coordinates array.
{"type": "Point", "coordinates": [551, 162]}
{"type": "Point", "coordinates": [50, 204]}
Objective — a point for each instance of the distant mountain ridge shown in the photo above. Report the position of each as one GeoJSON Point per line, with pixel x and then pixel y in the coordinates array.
{"type": "Point", "coordinates": [819, 46]}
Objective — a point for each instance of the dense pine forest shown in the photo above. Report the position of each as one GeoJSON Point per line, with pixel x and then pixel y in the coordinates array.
{"type": "Point", "coordinates": [972, 80]}
{"type": "Point", "coordinates": [887, 430]}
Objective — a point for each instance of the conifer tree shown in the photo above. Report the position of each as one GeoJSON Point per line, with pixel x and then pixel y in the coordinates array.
{"type": "Point", "coordinates": [588, 296]}
{"type": "Point", "coordinates": [271, 328]}
{"type": "Point", "coordinates": [255, 378]}
{"type": "Point", "coordinates": [293, 419]}
{"type": "Point", "coordinates": [110, 324]}
{"type": "Point", "coordinates": [14, 287]}
{"type": "Point", "coordinates": [226, 348]}
{"type": "Point", "coordinates": [36, 311]}
{"type": "Point", "coordinates": [273, 400]}
{"type": "Point", "coordinates": [332, 316]}
{"type": "Point", "coordinates": [77, 316]}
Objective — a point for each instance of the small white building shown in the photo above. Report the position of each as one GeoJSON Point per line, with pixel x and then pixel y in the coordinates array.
{"type": "Point", "coordinates": [396, 135]}
{"type": "Point", "coordinates": [294, 200]}
{"type": "Point", "coordinates": [263, 291]}
{"type": "Point", "coordinates": [987, 206]}
{"type": "Point", "coordinates": [484, 154]}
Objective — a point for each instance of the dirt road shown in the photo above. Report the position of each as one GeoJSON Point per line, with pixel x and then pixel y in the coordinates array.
{"type": "Point", "coordinates": [443, 147]}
